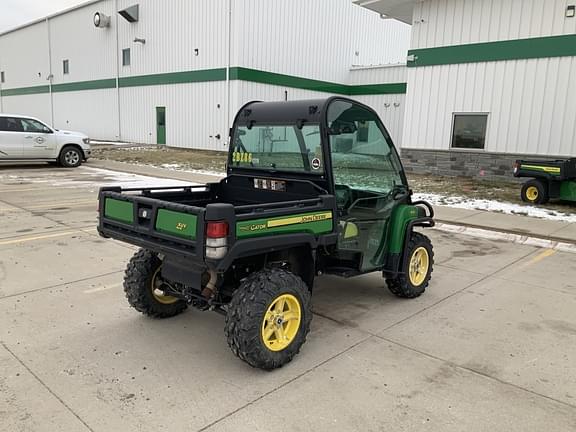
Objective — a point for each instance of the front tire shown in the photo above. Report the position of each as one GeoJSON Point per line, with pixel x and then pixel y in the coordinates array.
{"type": "Point", "coordinates": [535, 192]}
{"type": "Point", "coordinates": [416, 271]}
{"type": "Point", "coordinates": [269, 318]}
{"type": "Point", "coordinates": [142, 286]}
{"type": "Point", "coordinates": [70, 157]}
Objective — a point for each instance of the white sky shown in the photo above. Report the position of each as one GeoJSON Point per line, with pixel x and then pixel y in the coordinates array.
{"type": "Point", "coordinates": [16, 12]}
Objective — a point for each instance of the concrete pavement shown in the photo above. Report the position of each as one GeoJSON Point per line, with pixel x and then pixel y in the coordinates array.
{"type": "Point", "coordinates": [489, 347]}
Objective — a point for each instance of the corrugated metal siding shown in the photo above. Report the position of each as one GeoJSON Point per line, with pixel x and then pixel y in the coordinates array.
{"type": "Point", "coordinates": [192, 114]}
{"type": "Point", "coordinates": [530, 104]}
{"type": "Point", "coordinates": [455, 22]}
{"type": "Point", "coordinates": [378, 74]}
{"type": "Point", "coordinates": [89, 50]}
{"type": "Point", "coordinates": [314, 39]}
{"type": "Point", "coordinates": [93, 112]}
{"type": "Point", "coordinates": [37, 105]}
{"type": "Point", "coordinates": [24, 56]}
{"type": "Point", "coordinates": [173, 30]}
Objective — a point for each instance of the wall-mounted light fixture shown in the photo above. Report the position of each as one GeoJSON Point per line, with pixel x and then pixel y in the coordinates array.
{"type": "Point", "coordinates": [140, 40]}
{"type": "Point", "coordinates": [571, 11]}
{"type": "Point", "coordinates": [100, 20]}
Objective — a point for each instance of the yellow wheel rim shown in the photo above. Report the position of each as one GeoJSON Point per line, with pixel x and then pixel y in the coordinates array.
{"type": "Point", "coordinates": [532, 193]}
{"type": "Point", "coordinates": [281, 322]}
{"type": "Point", "coordinates": [418, 267]}
{"type": "Point", "coordinates": [157, 293]}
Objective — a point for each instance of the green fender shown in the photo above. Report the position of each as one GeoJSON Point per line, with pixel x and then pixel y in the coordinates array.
{"type": "Point", "coordinates": [399, 220]}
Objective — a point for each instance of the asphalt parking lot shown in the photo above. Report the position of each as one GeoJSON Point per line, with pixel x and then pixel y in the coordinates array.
{"type": "Point", "coordinates": [490, 346]}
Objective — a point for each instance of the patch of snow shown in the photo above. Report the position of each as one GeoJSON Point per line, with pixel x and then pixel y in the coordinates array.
{"type": "Point", "coordinates": [94, 178]}
{"type": "Point", "coordinates": [184, 168]}
{"type": "Point", "coordinates": [116, 143]}
{"type": "Point", "coordinates": [494, 206]}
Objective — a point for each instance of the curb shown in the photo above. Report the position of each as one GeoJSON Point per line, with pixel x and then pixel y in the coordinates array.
{"type": "Point", "coordinates": [521, 234]}
{"type": "Point", "coordinates": [522, 239]}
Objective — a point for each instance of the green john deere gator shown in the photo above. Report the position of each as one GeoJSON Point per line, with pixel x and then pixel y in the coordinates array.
{"type": "Point", "coordinates": [549, 180]}
{"type": "Point", "coordinates": [312, 187]}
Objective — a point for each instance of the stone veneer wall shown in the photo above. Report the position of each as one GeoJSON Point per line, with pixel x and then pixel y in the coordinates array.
{"type": "Point", "coordinates": [482, 165]}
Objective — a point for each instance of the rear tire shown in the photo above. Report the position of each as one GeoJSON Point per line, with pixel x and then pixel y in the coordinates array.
{"type": "Point", "coordinates": [70, 157]}
{"type": "Point", "coordinates": [416, 271]}
{"type": "Point", "coordinates": [142, 283]}
{"type": "Point", "coordinates": [269, 318]}
{"type": "Point", "coordinates": [535, 192]}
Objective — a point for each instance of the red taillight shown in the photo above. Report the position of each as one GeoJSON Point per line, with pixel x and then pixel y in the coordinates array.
{"type": "Point", "coordinates": [217, 229]}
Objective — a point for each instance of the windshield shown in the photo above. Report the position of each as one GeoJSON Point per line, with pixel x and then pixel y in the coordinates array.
{"type": "Point", "coordinates": [362, 154]}
{"type": "Point", "coordinates": [278, 147]}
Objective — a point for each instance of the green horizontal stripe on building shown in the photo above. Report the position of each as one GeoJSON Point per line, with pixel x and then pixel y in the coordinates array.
{"type": "Point", "coordinates": [519, 49]}
{"type": "Point", "coordinates": [26, 90]}
{"type": "Point", "coordinates": [208, 75]}
{"type": "Point", "coordinates": [85, 85]}
{"type": "Point", "coordinates": [263, 77]}
{"type": "Point", "coordinates": [204, 75]}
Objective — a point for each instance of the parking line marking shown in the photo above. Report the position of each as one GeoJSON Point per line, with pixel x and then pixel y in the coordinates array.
{"type": "Point", "coordinates": [70, 204]}
{"type": "Point", "coordinates": [103, 288]}
{"type": "Point", "coordinates": [43, 237]}
{"type": "Point", "coordinates": [544, 254]}
{"type": "Point", "coordinates": [21, 190]}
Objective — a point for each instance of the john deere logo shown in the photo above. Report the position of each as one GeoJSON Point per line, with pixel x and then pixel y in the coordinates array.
{"type": "Point", "coordinates": [275, 223]}
{"type": "Point", "coordinates": [181, 226]}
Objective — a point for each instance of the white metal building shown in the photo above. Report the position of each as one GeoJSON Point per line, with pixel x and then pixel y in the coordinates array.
{"type": "Point", "coordinates": [488, 81]}
{"type": "Point", "coordinates": [179, 71]}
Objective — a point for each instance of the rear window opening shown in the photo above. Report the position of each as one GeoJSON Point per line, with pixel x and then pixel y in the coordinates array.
{"type": "Point", "coordinates": [278, 147]}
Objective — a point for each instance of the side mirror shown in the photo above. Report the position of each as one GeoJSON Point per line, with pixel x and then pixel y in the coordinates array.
{"type": "Point", "coordinates": [46, 130]}
{"type": "Point", "coordinates": [400, 194]}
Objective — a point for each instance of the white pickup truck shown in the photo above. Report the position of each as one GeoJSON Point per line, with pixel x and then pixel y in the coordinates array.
{"type": "Point", "coordinates": [28, 139]}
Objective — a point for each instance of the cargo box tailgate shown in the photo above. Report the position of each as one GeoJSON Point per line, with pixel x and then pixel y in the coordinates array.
{"type": "Point", "coordinates": [158, 225]}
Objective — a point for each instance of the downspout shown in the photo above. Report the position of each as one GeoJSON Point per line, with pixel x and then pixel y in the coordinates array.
{"type": "Point", "coordinates": [117, 52]}
{"type": "Point", "coordinates": [229, 53]}
{"type": "Point", "coordinates": [50, 76]}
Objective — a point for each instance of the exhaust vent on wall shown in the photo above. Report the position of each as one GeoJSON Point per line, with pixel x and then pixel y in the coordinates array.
{"type": "Point", "coordinates": [130, 14]}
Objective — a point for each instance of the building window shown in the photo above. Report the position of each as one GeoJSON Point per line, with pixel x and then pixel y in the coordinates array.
{"type": "Point", "coordinates": [2, 78]}
{"type": "Point", "coordinates": [126, 57]}
{"type": "Point", "coordinates": [469, 131]}
{"type": "Point", "coordinates": [66, 67]}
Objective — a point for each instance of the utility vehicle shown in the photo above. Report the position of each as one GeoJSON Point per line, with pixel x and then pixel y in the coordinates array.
{"type": "Point", "coordinates": [550, 180]}
{"type": "Point", "coordinates": [312, 187]}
